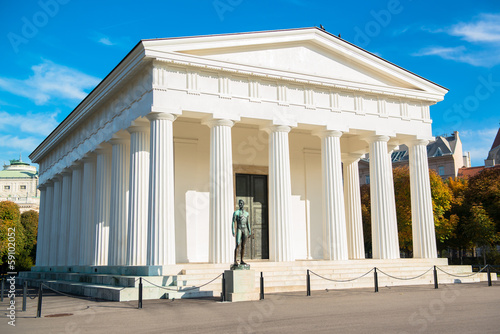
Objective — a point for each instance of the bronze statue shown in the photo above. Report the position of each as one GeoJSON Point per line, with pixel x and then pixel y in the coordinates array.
{"type": "Point", "coordinates": [241, 231]}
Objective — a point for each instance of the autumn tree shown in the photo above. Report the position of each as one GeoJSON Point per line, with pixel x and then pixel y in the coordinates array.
{"type": "Point", "coordinates": [29, 221]}
{"type": "Point", "coordinates": [10, 226]}
{"type": "Point", "coordinates": [366, 216]}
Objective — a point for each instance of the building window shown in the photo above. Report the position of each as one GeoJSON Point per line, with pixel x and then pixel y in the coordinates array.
{"type": "Point", "coordinates": [6, 187]}
{"type": "Point", "coordinates": [441, 170]}
{"type": "Point", "coordinates": [367, 179]}
{"type": "Point", "coordinates": [22, 187]}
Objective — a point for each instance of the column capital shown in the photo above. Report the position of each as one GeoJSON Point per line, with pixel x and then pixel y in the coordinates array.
{"type": "Point", "coordinates": [103, 148]}
{"type": "Point", "coordinates": [57, 177]}
{"type": "Point", "coordinates": [418, 141]}
{"type": "Point", "coordinates": [76, 164]}
{"type": "Point", "coordinates": [120, 137]}
{"type": "Point", "coordinates": [374, 138]}
{"type": "Point", "coordinates": [42, 186]}
{"type": "Point", "coordinates": [157, 115]}
{"type": "Point", "coordinates": [66, 171]}
{"type": "Point", "coordinates": [88, 157]}
{"type": "Point", "coordinates": [276, 128]}
{"type": "Point", "coordinates": [351, 157]}
{"type": "Point", "coordinates": [211, 122]}
{"type": "Point", "coordinates": [139, 125]}
{"type": "Point", "coordinates": [323, 133]}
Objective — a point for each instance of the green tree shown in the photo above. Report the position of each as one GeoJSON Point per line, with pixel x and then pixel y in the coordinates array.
{"type": "Point", "coordinates": [10, 224]}
{"type": "Point", "coordinates": [366, 217]}
{"type": "Point", "coordinates": [29, 220]}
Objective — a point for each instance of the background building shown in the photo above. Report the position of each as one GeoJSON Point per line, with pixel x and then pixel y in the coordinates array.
{"type": "Point", "coordinates": [445, 156]}
{"type": "Point", "coordinates": [492, 161]}
{"type": "Point", "coordinates": [18, 183]}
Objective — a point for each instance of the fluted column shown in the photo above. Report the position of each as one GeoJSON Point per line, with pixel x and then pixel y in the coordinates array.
{"type": "Point", "coordinates": [40, 241]}
{"type": "Point", "coordinates": [221, 191]}
{"type": "Point", "coordinates": [392, 196]}
{"type": "Point", "coordinates": [423, 230]}
{"type": "Point", "coordinates": [384, 237]}
{"type": "Point", "coordinates": [138, 195]}
{"type": "Point", "coordinates": [102, 204]}
{"type": "Point", "coordinates": [76, 215]}
{"type": "Point", "coordinates": [56, 221]}
{"type": "Point", "coordinates": [63, 243]}
{"type": "Point", "coordinates": [47, 218]}
{"type": "Point", "coordinates": [280, 195]}
{"type": "Point", "coordinates": [334, 222]}
{"type": "Point", "coordinates": [87, 210]}
{"type": "Point", "coordinates": [161, 221]}
{"type": "Point", "coordinates": [120, 167]}
{"type": "Point", "coordinates": [354, 221]}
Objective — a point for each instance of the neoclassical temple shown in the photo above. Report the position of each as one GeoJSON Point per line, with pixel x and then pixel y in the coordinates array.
{"type": "Point", "coordinates": [148, 168]}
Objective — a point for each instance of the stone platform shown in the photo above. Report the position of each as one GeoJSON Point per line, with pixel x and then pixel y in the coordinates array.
{"type": "Point", "coordinates": [186, 280]}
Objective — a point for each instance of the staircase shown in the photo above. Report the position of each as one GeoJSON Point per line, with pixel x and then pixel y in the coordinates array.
{"type": "Point", "coordinates": [186, 280]}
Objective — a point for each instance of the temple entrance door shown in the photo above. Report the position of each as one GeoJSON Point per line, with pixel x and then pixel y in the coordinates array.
{"type": "Point", "coordinates": [253, 190]}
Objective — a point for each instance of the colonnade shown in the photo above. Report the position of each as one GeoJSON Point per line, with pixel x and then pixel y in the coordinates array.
{"type": "Point", "coordinates": [115, 207]}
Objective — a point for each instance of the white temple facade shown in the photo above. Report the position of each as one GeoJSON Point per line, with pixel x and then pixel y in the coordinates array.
{"type": "Point", "coordinates": [148, 169]}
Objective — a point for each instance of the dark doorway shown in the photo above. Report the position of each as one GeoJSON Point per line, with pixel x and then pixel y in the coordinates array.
{"type": "Point", "coordinates": [253, 190]}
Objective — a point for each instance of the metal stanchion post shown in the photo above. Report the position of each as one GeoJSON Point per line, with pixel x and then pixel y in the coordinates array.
{"type": "Point", "coordinates": [375, 277]}
{"type": "Point", "coordinates": [139, 306]}
{"type": "Point", "coordinates": [435, 278]}
{"type": "Point", "coordinates": [223, 287]}
{"type": "Point", "coordinates": [489, 274]}
{"type": "Point", "coordinates": [261, 286]}
{"type": "Point", "coordinates": [3, 288]}
{"type": "Point", "coordinates": [25, 291]}
{"type": "Point", "coordinates": [308, 282]}
{"type": "Point", "coordinates": [39, 308]}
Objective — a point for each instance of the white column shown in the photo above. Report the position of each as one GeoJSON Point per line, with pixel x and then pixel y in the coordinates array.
{"type": "Point", "coordinates": [354, 220]}
{"type": "Point", "coordinates": [334, 222]}
{"type": "Point", "coordinates": [76, 215]}
{"type": "Point", "coordinates": [120, 166]}
{"type": "Point", "coordinates": [161, 221]}
{"type": "Point", "coordinates": [138, 195]}
{"type": "Point", "coordinates": [102, 204]}
{"type": "Point", "coordinates": [280, 195]}
{"type": "Point", "coordinates": [40, 241]}
{"type": "Point", "coordinates": [47, 218]}
{"type": "Point", "coordinates": [385, 242]}
{"type": "Point", "coordinates": [423, 230]}
{"type": "Point", "coordinates": [87, 210]}
{"type": "Point", "coordinates": [221, 241]}
{"type": "Point", "coordinates": [63, 243]}
{"type": "Point", "coordinates": [56, 221]}
{"type": "Point", "coordinates": [392, 197]}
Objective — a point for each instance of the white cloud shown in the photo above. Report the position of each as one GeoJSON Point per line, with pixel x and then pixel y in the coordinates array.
{"type": "Point", "coordinates": [105, 41]}
{"type": "Point", "coordinates": [27, 144]}
{"type": "Point", "coordinates": [482, 35]}
{"type": "Point", "coordinates": [486, 29]}
{"type": "Point", "coordinates": [478, 143]}
{"type": "Point", "coordinates": [51, 81]}
{"type": "Point", "coordinates": [35, 123]}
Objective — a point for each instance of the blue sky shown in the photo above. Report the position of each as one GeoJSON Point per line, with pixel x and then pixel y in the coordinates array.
{"type": "Point", "coordinates": [53, 52]}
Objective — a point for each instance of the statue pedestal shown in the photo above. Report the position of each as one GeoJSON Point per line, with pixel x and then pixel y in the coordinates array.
{"type": "Point", "coordinates": [240, 285]}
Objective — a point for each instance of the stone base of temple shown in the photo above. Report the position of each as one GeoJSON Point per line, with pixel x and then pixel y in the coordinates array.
{"type": "Point", "coordinates": [121, 283]}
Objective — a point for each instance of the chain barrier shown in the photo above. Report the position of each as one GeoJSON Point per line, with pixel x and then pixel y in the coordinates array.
{"type": "Point", "coordinates": [477, 272]}
{"type": "Point", "coordinates": [341, 281]}
{"type": "Point", "coordinates": [404, 278]}
{"type": "Point", "coordinates": [67, 295]}
{"type": "Point", "coordinates": [188, 289]}
{"type": "Point", "coordinates": [29, 295]}
{"type": "Point", "coordinates": [125, 287]}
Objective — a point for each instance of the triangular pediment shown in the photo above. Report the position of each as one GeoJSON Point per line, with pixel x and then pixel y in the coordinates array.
{"type": "Point", "coordinates": [306, 59]}
{"type": "Point", "coordinates": [308, 51]}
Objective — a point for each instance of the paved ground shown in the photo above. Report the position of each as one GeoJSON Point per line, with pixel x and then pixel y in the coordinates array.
{"type": "Point", "coordinates": [457, 308]}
